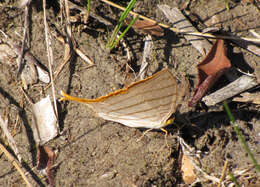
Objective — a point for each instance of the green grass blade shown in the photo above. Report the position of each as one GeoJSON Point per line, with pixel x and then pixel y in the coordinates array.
{"type": "Point", "coordinates": [113, 35]}
{"type": "Point", "coordinates": [124, 33]}
{"type": "Point", "coordinates": [241, 137]}
{"type": "Point", "coordinates": [227, 4]}
{"type": "Point", "coordinates": [128, 9]}
{"type": "Point", "coordinates": [111, 41]}
{"type": "Point", "coordinates": [233, 178]}
{"type": "Point", "coordinates": [89, 5]}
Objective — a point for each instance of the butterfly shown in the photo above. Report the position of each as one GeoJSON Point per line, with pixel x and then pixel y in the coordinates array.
{"type": "Point", "coordinates": [147, 103]}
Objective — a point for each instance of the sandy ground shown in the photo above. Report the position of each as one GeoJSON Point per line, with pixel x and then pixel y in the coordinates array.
{"type": "Point", "coordinates": [96, 152]}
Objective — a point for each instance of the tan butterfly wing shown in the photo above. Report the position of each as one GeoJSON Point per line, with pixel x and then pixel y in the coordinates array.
{"type": "Point", "coordinates": [147, 103]}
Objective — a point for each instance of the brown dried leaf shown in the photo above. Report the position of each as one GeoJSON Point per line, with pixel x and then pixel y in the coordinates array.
{"type": "Point", "coordinates": [46, 158]}
{"type": "Point", "coordinates": [148, 27]}
{"type": "Point", "coordinates": [188, 169]}
{"type": "Point", "coordinates": [210, 69]}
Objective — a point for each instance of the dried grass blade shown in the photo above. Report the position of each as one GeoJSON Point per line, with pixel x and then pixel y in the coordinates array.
{"type": "Point", "coordinates": [50, 55]}
{"type": "Point", "coordinates": [16, 164]}
{"type": "Point", "coordinates": [177, 18]}
{"type": "Point", "coordinates": [10, 139]}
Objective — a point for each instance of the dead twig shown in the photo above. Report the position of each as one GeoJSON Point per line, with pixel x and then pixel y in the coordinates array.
{"type": "Point", "coordinates": [16, 164]}
{"type": "Point", "coordinates": [236, 87]}
{"type": "Point", "coordinates": [11, 141]}
{"type": "Point", "coordinates": [70, 47]}
{"type": "Point", "coordinates": [50, 55]}
{"type": "Point", "coordinates": [72, 43]}
{"type": "Point", "coordinates": [254, 33]}
{"type": "Point", "coordinates": [25, 33]}
{"type": "Point", "coordinates": [248, 98]}
{"type": "Point", "coordinates": [223, 173]}
{"type": "Point", "coordinates": [195, 161]}
{"type": "Point", "coordinates": [66, 59]}
{"type": "Point", "coordinates": [128, 53]}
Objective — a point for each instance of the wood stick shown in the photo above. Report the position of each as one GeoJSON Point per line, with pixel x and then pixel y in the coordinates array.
{"type": "Point", "coordinates": [16, 164]}
{"type": "Point", "coordinates": [25, 33]}
{"type": "Point", "coordinates": [10, 139]}
{"type": "Point", "coordinates": [243, 83]}
{"type": "Point", "coordinates": [50, 56]}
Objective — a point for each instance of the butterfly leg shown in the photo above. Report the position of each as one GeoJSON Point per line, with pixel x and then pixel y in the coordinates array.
{"type": "Point", "coordinates": [145, 132]}
{"type": "Point", "coordinates": [165, 136]}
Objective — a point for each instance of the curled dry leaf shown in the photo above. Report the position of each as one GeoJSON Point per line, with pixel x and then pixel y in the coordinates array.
{"type": "Point", "coordinates": [148, 27]}
{"type": "Point", "coordinates": [210, 69]}
{"type": "Point", "coordinates": [46, 159]}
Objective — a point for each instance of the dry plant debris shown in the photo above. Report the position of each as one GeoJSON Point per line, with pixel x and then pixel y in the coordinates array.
{"type": "Point", "coordinates": [188, 170]}
{"type": "Point", "coordinates": [178, 19]}
{"type": "Point", "coordinates": [147, 56]}
{"type": "Point", "coordinates": [16, 164]}
{"type": "Point", "coordinates": [248, 98]}
{"type": "Point", "coordinates": [7, 55]}
{"type": "Point", "coordinates": [11, 141]}
{"type": "Point", "coordinates": [45, 119]}
{"type": "Point", "coordinates": [32, 70]}
{"type": "Point", "coordinates": [46, 159]}
{"type": "Point", "coordinates": [238, 86]}
{"type": "Point", "coordinates": [148, 27]}
{"type": "Point", "coordinates": [210, 69]}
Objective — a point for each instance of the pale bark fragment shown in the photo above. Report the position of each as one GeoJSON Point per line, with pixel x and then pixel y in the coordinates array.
{"type": "Point", "coordinates": [147, 56]}
{"type": "Point", "coordinates": [236, 87]}
{"type": "Point", "coordinates": [178, 19]}
{"type": "Point", "coordinates": [248, 98]}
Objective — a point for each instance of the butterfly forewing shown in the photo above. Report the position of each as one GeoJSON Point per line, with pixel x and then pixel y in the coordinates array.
{"type": "Point", "coordinates": [147, 103]}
